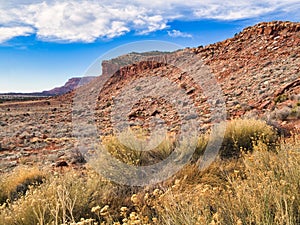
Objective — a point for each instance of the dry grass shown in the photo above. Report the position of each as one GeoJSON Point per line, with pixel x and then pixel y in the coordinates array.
{"type": "Point", "coordinates": [241, 135]}
{"type": "Point", "coordinates": [17, 183]}
{"type": "Point", "coordinates": [59, 199]}
{"type": "Point", "coordinates": [130, 151]}
{"type": "Point", "coordinates": [244, 134]}
{"type": "Point", "coordinates": [259, 187]}
{"type": "Point", "coordinates": [265, 190]}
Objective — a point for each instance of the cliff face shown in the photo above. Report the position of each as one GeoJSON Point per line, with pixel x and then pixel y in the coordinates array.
{"type": "Point", "coordinates": [111, 66]}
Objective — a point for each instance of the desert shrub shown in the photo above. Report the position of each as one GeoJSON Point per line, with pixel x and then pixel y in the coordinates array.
{"type": "Point", "coordinates": [131, 149]}
{"type": "Point", "coordinates": [295, 97]}
{"type": "Point", "coordinates": [240, 134]}
{"type": "Point", "coordinates": [243, 134]}
{"type": "Point", "coordinates": [261, 187]}
{"type": "Point", "coordinates": [60, 199]}
{"type": "Point", "coordinates": [282, 114]}
{"type": "Point", "coordinates": [286, 112]}
{"type": "Point", "coordinates": [201, 146]}
{"type": "Point", "coordinates": [296, 112]}
{"type": "Point", "coordinates": [270, 193]}
{"type": "Point", "coordinates": [16, 183]}
{"type": "Point", "coordinates": [281, 98]}
{"type": "Point", "coordinates": [264, 191]}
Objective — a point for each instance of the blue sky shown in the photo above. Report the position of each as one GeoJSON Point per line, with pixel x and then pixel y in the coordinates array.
{"type": "Point", "coordinates": [44, 43]}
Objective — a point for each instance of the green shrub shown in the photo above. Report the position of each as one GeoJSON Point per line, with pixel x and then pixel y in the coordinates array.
{"type": "Point", "coordinates": [281, 98]}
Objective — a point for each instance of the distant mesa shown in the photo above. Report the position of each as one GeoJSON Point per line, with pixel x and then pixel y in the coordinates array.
{"type": "Point", "coordinates": [70, 85]}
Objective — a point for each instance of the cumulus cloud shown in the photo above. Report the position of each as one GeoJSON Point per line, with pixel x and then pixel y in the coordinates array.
{"type": "Point", "coordinates": [88, 20]}
{"type": "Point", "coordinates": [178, 33]}
{"type": "Point", "coordinates": [7, 33]}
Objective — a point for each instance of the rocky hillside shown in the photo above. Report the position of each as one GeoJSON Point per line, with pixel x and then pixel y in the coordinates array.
{"type": "Point", "coordinates": [258, 71]}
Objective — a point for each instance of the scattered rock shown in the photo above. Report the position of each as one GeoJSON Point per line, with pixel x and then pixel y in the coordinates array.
{"type": "Point", "coordinates": [61, 164]}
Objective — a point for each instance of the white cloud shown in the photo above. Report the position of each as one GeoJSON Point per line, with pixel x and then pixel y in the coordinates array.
{"type": "Point", "coordinates": [78, 21]}
{"type": "Point", "coordinates": [88, 20]}
{"type": "Point", "coordinates": [234, 9]}
{"type": "Point", "coordinates": [7, 33]}
{"type": "Point", "coordinates": [178, 33]}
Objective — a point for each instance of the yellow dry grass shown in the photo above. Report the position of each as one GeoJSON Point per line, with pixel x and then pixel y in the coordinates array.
{"type": "Point", "coordinates": [259, 187]}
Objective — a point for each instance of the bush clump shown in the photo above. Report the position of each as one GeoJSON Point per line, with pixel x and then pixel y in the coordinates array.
{"type": "Point", "coordinates": [14, 185]}
{"type": "Point", "coordinates": [243, 134]}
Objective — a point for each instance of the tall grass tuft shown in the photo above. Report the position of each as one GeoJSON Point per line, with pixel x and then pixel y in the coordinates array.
{"type": "Point", "coordinates": [15, 184]}
{"type": "Point", "coordinates": [243, 134]}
